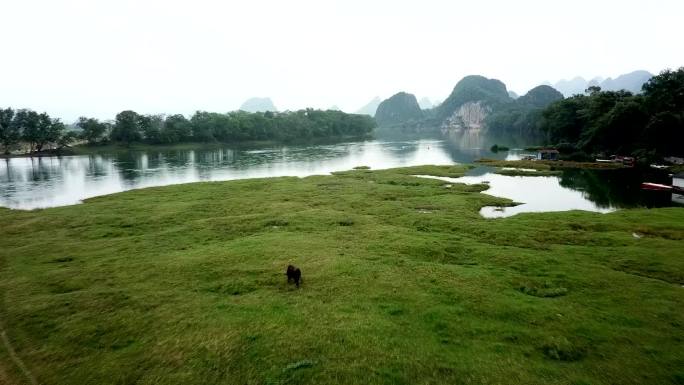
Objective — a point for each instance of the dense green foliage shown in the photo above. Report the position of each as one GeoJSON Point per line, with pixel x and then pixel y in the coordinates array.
{"type": "Point", "coordinates": [648, 124]}
{"type": "Point", "coordinates": [9, 131]}
{"type": "Point", "coordinates": [37, 130]}
{"type": "Point", "coordinates": [520, 118]}
{"type": "Point", "coordinates": [131, 127]}
{"type": "Point", "coordinates": [400, 109]}
{"type": "Point", "coordinates": [238, 126]}
{"type": "Point", "coordinates": [404, 283]}
{"type": "Point", "coordinates": [92, 130]}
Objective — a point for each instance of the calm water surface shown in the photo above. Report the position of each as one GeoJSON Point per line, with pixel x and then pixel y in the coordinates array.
{"type": "Point", "coordinates": [30, 183]}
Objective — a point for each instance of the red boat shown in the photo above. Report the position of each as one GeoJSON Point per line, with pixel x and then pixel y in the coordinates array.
{"type": "Point", "coordinates": [655, 186]}
{"type": "Point", "coordinates": [662, 187]}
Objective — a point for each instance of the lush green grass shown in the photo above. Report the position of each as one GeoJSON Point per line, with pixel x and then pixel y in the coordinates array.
{"type": "Point", "coordinates": [404, 283]}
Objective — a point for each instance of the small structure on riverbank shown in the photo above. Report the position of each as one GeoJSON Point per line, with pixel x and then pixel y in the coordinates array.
{"type": "Point", "coordinates": [547, 154]}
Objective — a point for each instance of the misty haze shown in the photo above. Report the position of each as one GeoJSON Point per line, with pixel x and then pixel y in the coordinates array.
{"type": "Point", "coordinates": [341, 192]}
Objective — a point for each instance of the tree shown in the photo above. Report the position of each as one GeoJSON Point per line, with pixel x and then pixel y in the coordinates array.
{"type": "Point", "coordinates": [176, 129]}
{"type": "Point", "coordinates": [620, 122]}
{"type": "Point", "coordinates": [49, 131]}
{"type": "Point", "coordinates": [151, 126]}
{"type": "Point", "coordinates": [619, 129]}
{"type": "Point", "coordinates": [92, 129]}
{"type": "Point", "coordinates": [665, 92]}
{"type": "Point", "coordinates": [27, 122]}
{"type": "Point", "coordinates": [66, 139]}
{"type": "Point", "coordinates": [9, 131]}
{"type": "Point", "coordinates": [127, 127]}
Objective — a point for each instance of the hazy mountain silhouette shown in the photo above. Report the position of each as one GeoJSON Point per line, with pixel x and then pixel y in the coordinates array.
{"type": "Point", "coordinates": [370, 108]}
{"type": "Point", "coordinates": [258, 105]}
{"type": "Point", "coordinates": [574, 86]}
{"type": "Point", "coordinates": [425, 103]}
{"type": "Point", "coordinates": [631, 82]}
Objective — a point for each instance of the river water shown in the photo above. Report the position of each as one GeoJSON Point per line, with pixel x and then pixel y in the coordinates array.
{"type": "Point", "coordinates": [40, 182]}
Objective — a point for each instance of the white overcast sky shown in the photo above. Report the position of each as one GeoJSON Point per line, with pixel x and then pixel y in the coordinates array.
{"type": "Point", "coordinates": [97, 57]}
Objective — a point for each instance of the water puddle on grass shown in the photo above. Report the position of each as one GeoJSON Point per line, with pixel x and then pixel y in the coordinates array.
{"type": "Point", "coordinates": [535, 194]}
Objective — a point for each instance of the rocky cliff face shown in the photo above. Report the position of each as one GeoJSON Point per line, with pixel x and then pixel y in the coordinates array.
{"type": "Point", "coordinates": [472, 99]}
{"type": "Point", "coordinates": [402, 108]}
{"type": "Point", "coordinates": [490, 92]}
{"type": "Point", "coordinates": [469, 116]}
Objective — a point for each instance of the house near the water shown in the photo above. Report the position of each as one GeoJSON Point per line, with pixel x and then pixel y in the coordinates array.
{"type": "Point", "coordinates": [547, 154]}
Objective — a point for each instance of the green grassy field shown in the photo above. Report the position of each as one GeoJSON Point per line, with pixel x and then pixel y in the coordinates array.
{"type": "Point", "coordinates": [404, 283]}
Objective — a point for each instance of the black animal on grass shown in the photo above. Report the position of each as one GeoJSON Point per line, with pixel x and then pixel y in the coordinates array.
{"type": "Point", "coordinates": [293, 274]}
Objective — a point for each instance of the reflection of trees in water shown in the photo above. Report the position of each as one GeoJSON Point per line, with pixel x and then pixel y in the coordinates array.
{"type": "Point", "coordinates": [97, 166]}
{"type": "Point", "coordinates": [127, 162]}
{"type": "Point", "coordinates": [43, 169]}
{"type": "Point", "coordinates": [7, 175]}
{"type": "Point", "coordinates": [617, 188]}
{"type": "Point", "coordinates": [216, 157]}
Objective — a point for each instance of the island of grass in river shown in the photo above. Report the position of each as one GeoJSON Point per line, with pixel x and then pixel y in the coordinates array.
{"type": "Point", "coordinates": [404, 283]}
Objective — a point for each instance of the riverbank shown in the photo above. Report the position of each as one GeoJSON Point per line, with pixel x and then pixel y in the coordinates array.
{"type": "Point", "coordinates": [549, 165]}
{"type": "Point", "coordinates": [88, 149]}
{"type": "Point", "coordinates": [404, 282]}
{"type": "Point", "coordinates": [38, 154]}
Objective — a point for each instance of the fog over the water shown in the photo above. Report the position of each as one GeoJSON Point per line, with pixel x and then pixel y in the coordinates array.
{"type": "Point", "coordinates": [96, 57]}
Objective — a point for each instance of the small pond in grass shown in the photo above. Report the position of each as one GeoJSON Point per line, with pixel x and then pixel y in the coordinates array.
{"type": "Point", "coordinates": [39, 182]}
{"type": "Point", "coordinates": [590, 190]}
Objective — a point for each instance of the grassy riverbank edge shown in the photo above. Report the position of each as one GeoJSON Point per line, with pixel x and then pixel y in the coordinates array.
{"type": "Point", "coordinates": [548, 164]}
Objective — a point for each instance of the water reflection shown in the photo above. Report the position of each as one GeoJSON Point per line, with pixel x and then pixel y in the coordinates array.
{"type": "Point", "coordinates": [590, 190]}
{"type": "Point", "coordinates": [619, 188]}
{"type": "Point", "coordinates": [536, 194]}
{"type": "Point", "coordinates": [28, 183]}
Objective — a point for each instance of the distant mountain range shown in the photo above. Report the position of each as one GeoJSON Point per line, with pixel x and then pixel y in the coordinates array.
{"type": "Point", "coordinates": [476, 102]}
{"type": "Point", "coordinates": [470, 106]}
{"type": "Point", "coordinates": [631, 82]}
{"type": "Point", "coordinates": [258, 105]}
{"type": "Point", "coordinates": [370, 108]}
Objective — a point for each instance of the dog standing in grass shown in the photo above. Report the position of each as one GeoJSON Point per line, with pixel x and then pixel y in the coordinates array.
{"type": "Point", "coordinates": [293, 274]}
